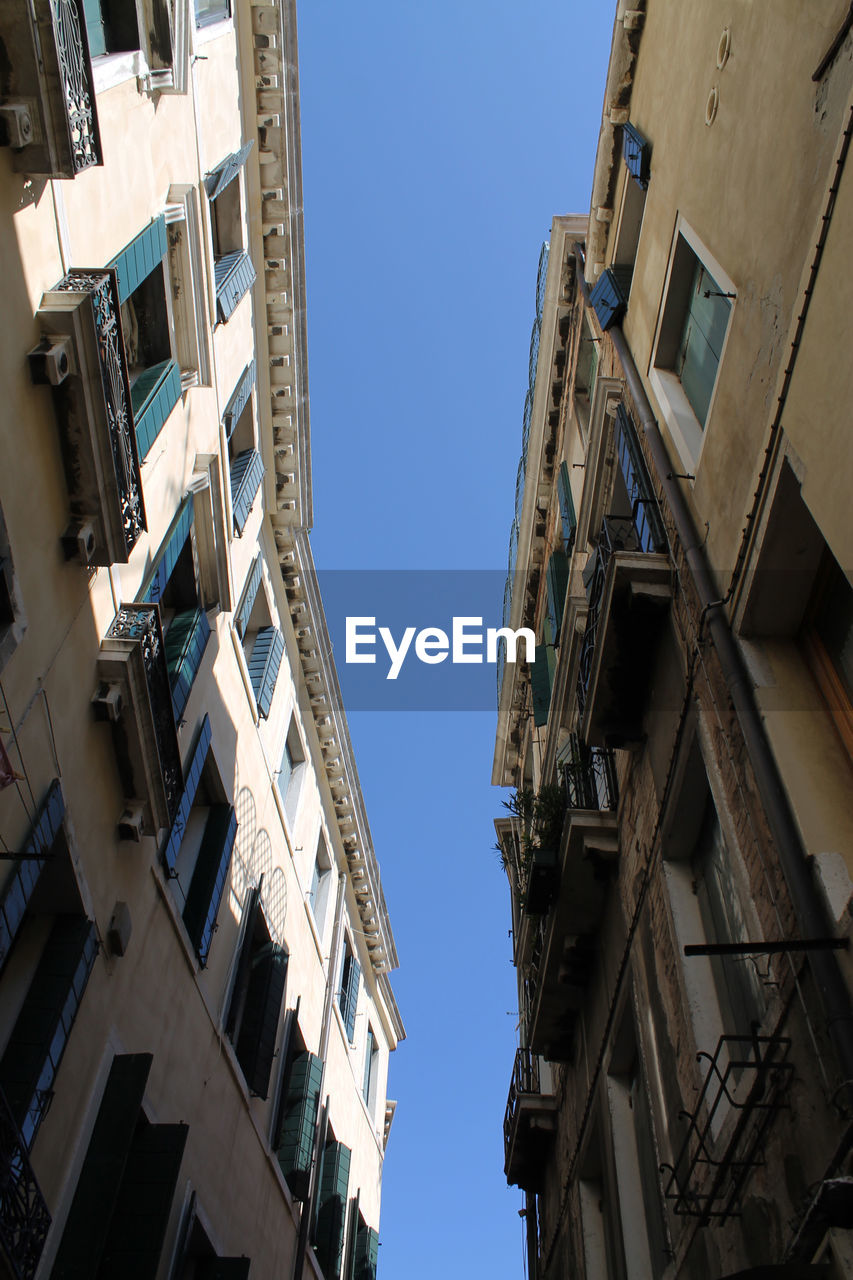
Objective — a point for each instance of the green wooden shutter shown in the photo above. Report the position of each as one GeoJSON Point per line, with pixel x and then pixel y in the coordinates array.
{"type": "Point", "coordinates": [100, 1178]}
{"type": "Point", "coordinates": [153, 397]}
{"type": "Point", "coordinates": [239, 399]}
{"type": "Point", "coordinates": [256, 1041]}
{"type": "Point", "coordinates": [540, 683]}
{"type": "Point", "coordinates": [702, 341]}
{"type": "Point", "coordinates": [226, 171]}
{"type": "Point", "coordinates": [233, 276]}
{"type": "Point", "coordinates": [247, 472]}
{"type": "Point", "coordinates": [18, 889]}
{"type": "Point", "coordinates": [366, 1252]}
{"type": "Point", "coordinates": [141, 1215]}
{"type": "Point", "coordinates": [568, 518]}
{"type": "Point", "coordinates": [95, 30]}
{"type": "Point", "coordinates": [264, 665]}
{"type": "Point", "coordinates": [208, 881]}
{"type": "Point", "coordinates": [557, 583]}
{"type": "Point", "coordinates": [298, 1121]}
{"type": "Point", "coordinates": [350, 975]}
{"type": "Point", "coordinates": [35, 1048]}
{"type": "Point", "coordinates": [141, 256]}
{"type": "Point", "coordinates": [331, 1209]}
{"type": "Point", "coordinates": [185, 643]}
{"type": "Point", "coordinates": [169, 553]}
{"type": "Point", "coordinates": [193, 777]}
{"type": "Point", "coordinates": [253, 583]}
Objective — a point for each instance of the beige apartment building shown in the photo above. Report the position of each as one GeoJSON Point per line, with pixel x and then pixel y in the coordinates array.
{"type": "Point", "coordinates": [680, 844]}
{"type": "Point", "coordinates": [196, 1014]}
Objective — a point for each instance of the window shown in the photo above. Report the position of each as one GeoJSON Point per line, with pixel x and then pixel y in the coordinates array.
{"type": "Point", "coordinates": [292, 772]}
{"type": "Point", "coordinates": [371, 1071]}
{"type": "Point", "coordinates": [209, 11]}
{"type": "Point", "coordinates": [173, 584]}
{"type": "Point", "coordinates": [586, 370]}
{"type": "Point", "coordinates": [111, 26]}
{"type": "Point", "coordinates": [263, 643]}
{"type": "Point", "coordinates": [692, 330]}
{"type": "Point", "coordinates": [348, 994]}
{"type": "Point", "coordinates": [557, 582]}
{"type": "Point", "coordinates": [233, 272]}
{"type": "Point", "coordinates": [145, 298]}
{"type": "Point", "coordinates": [197, 1256]}
{"type": "Point", "coordinates": [128, 26]}
{"type": "Point", "coordinates": [197, 852]}
{"type": "Point", "coordinates": [827, 638]}
{"type": "Point", "coordinates": [568, 518]}
{"type": "Point", "coordinates": [321, 883]}
{"type": "Point", "coordinates": [244, 461]}
{"type": "Point", "coordinates": [255, 1007]}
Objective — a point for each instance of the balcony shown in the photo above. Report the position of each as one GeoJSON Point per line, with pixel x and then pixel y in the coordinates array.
{"type": "Point", "coordinates": [530, 1123]}
{"type": "Point", "coordinates": [49, 104]}
{"type": "Point", "coordinates": [135, 695]}
{"type": "Point", "coordinates": [24, 1216]}
{"type": "Point", "coordinates": [82, 355]}
{"type": "Point", "coordinates": [562, 945]}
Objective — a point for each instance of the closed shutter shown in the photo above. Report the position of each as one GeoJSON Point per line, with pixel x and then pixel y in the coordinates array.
{"type": "Point", "coordinates": [37, 1043]}
{"type": "Point", "coordinates": [264, 666]}
{"type": "Point", "coordinates": [95, 31]}
{"type": "Point", "coordinates": [193, 777]}
{"type": "Point", "coordinates": [141, 256]}
{"type": "Point", "coordinates": [169, 553]}
{"type": "Point", "coordinates": [609, 298]}
{"type": "Point", "coordinates": [208, 882]}
{"type": "Point", "coordinates": [702, 341]}
{"type": "Point", "coordinates": [153, 397]}
{"type": "Point", "coordinates": [233, 276]}
{"type": "Point", "coordinates": [141, 1215]}
{"type": "Point", "coordinates": [247, 472]}
{"type": "Point", "coordinates": [222, 1268]}
{"type": "Point", "coordinates": [19, 887]}
{"type": "Point", "coordinates": [259, 1026]}
{"type": "Point", "coordinates": [100, 1178]}
{"type": "Point", "coordinates": [557, 582]}
{"type": "Point", "coordinates": [568, 519]}
{"type": "Point", "coordinates": [331, 1209]}
{"type": "Point", "coordinates": [185, 643]}
{"type": "Point", "coordinates": [239, 399]}
{"type": "Point", "coordinates": [366, 1253]}
{"type": "Point", "coordinates": [637, 152]}
{"type": "Point", "coordinates": [540, 683]}
{"type": "Point", "coordinates": [350, 976]}
{"type": "Point", "coordinates": [244, 611]}
{"type": "Point", "coordinates": [298, 1121]}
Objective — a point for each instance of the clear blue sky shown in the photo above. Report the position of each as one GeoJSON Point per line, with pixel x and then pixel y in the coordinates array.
{"type": "Point", "coordinates": [438, 141]}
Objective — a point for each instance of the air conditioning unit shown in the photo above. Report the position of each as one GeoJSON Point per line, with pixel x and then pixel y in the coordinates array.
{"type": "Point", "coordinates": [131, 823]}
{"type": "Point", "coordinates": [52, 361]}
{"type": "Point", "coordinates": [16, 125]}
{"type": "Point", "coordinates": [79, 540]}
{"type": "Point", "coordinates": [107, 701]}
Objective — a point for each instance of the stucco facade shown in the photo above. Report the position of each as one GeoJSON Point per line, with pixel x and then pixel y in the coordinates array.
{"type": "Point", "coordinates": [196, 1015]}
{"type": "Point", "coordinates": [679, 851]}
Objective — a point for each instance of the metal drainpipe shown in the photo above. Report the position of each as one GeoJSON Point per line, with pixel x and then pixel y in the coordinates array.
{"type": "Point", "coordinates": [810, 910]}
{"type": "Point", "coordinates": [325, 1032]}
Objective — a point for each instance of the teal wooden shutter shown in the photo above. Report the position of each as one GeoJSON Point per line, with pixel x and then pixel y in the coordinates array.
{"type": "Point", "coordinates": [557, 582]}
{"type": "Point", "coordinates": [256, 1042]}
{"type": "Point", "coordinates": [366, 1252]}
{"type": "Point", "coordinates": [540, 683]}
{"type": "Point", "coordinates": [637, 153]}
{"type": "Point", "coordinates": [226, 171]}
{"type": "Point", "coordinates": [568, 519]}
{"type": "Point", "coordinates": [233, 276]}
{"type": "Point", "coordinates": [331, 1209]}
{"type": "Point", "coordinates": [350, 975]}
{"type": "Point", "coordinates": [368, 1062]}
{"type": "Point", "coordinates": [609, 298]}
{"type": "Point", "coordinates": [702, 341]}
{"type": "Point", "coordinates": [208, 880]}
{"type": "Point", "coordinates": [145, 252]}
{"type": "Point", "coordinates": [239, 399]}
{"type": "Point", "coordinates": [153, 397]}
{"type": "Point", "coordinates": [18, 889]}
{"type": "Point", "coordinates": [95, 30]}
{"type": "Point", "coordinates": [185, 643]}
{"type": "Point", "coordinates": [298, 1121]}
{"type": "Point", "coordinates": [193, 777]}
{"type": "Point", "coordinates": [141, 1215]}
{"type": "Point", "coordinates": [244, 612]}
{"type": "Point", "coordinates": [247, 472]}
{"type": "Point", "coordinates": [264, 665]}
{"type": "Point", "coordinates": [100, 1178]}
{"type": "Point", "coordinates": [168, 554]}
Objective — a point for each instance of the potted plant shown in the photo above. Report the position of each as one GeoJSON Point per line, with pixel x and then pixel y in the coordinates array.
{"type": "Point", "coordinates": [541, 816]}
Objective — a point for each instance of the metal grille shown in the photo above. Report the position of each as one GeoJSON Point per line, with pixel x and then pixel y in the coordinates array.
{"type": "Point", "coordinates": [24, 1216]}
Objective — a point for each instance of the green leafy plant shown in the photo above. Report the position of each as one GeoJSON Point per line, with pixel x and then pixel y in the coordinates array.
{"type": "Point", "coordinates": [541, 819]}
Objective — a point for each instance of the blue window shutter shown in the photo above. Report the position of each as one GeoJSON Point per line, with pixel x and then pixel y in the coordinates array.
{"type": "Point", "coordinates": [226, 171]}
{"type": "Point", "coordinates": [557, 582]}
{"type": "Point", "coordinates": [264, 666]}
{"type": "Point", "coordinates": [35, 1048]}
{"type": "Point", "coordinates": [540, 682]}
{"type": "Point", "coordinates": [637, 152]}
{"type": "Point", "coordinates": [160, 399]}
{"type": "Point", "coordinates": [301, 1104]}
{"type": "Point", "coordinates": [568, 518]}
{"type": "Point", "coordinates": [255, 1046]}
{"type": "Point", "coordinates": [253, 582]}
{"type": "Point", "coordinates": [331, 1209]}
{"type": "Point", "coordinates": [609, 298]}
{"type": "Point", "coordinates": [193, 777]}
{"type": "Point", "coordinates": [247, 472]}
{"type": "Point", "coordinates": [185, 644]}
{"type": "Point", "coordinates": [208, 881]}
{"type": "Point", "coordinates": [233, 277]}
{"type": "Point", "coordinates": [19, 887]}
{"type": "Point", "coordinates": [239, 399]}
{"type": "Point", "coordinates": [168, 554]}
{"type": "Point", "coordinates": [141, 256]}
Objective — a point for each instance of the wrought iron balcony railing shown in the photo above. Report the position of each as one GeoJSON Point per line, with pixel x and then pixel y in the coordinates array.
{"type": "Point", "coordinates": [24, 1216]}
{"type": "Point", "coordinates": [589, 776]}
{"type": "Point", "coordinates": [525, 1080]}
{"type": "Point", "coordinates": [529, 1123]}
{"type": "Point", "coordinates": [53, 99]}
{"type": "Point", "coordinates": [618, 533]}
{"type": "Point", "coordinates": [135, 694]}
{"type": "Point", "coordinates": [82, 355]}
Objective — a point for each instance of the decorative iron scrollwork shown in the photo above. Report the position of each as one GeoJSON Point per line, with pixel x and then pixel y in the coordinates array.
{"type": "Point", "coordinates": [77, 88]}
{"type": "Point", "coordinates": [24, 1215]}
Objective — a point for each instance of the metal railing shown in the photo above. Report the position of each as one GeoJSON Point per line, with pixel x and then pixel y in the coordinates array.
{"type": "Point", "coordinates": [589, 777]}
{"type": "Point", "coordinates": [617, 534]}
{"type": "Point", "coordinates": [525, 1080]}
{"type": "Point", "coordinates": [24, 1215]}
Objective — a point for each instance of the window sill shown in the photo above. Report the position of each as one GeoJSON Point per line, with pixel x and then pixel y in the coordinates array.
{"type": "Point", "coordinates": [112, 69]}
{"type": "Point", "coordinates": [211, 31]}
